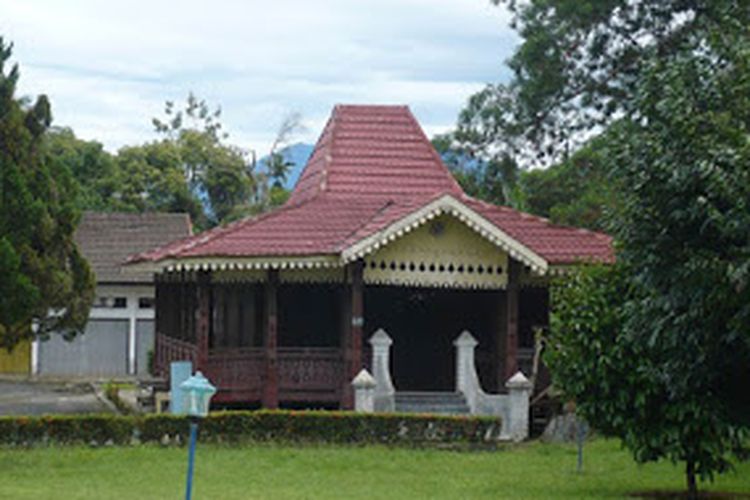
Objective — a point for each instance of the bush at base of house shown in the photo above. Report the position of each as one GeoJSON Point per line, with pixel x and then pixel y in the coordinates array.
{"type": "Point", "coordinates": [264, 425]}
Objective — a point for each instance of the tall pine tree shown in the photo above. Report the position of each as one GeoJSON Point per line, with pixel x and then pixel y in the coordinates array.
{"type": "Point", "coordinates": [45, 280]}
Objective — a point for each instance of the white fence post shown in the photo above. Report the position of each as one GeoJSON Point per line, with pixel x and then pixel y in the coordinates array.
{"type": "Point", "coordinates": [385, 393]}
{"type": "Point", "coordinates": [364, 392]}
{"type": "Point", "coordinates": [519, 392]}
{"type": "Point", "coordinates": [467, 382]}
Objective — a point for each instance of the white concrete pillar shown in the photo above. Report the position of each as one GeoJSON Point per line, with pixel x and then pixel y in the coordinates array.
{"type": "Point", "coordinates": [519, 393]}
{"type": "Point", "coordinates": [467, 381]}
{"type": "Point", "coordinates": [35, 357]}
{"type": "Point", "coordinates": [384, 390]}
{"type": "Point", "coordinates": [364, 392]}
{"type": "Point", "coordinates": [35, 349]}
{"type": "Point", "coordinates": [131, 341]}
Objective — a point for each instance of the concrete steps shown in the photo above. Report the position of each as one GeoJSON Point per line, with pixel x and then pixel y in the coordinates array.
{"type": "Point", "coordinates": [444, 403]}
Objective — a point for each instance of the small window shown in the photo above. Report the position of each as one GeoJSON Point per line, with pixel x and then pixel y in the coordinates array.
{"type": "Point", "coordinates": [120, 303]}
{"type": "Point", "coordinates": [100, 302]}
{"type": "Point", "coordinates": [145, 303]}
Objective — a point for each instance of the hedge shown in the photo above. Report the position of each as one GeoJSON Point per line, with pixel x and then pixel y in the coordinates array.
{"type": "Point", "coordinates": [252, 426]}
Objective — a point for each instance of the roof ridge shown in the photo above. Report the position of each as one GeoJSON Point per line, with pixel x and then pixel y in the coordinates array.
{"type": "Point", "coordinates": [433, 151]}
{"type": "Point", "coordinates": [328, 158]}
{"type": "Point", "coordinates": [386, 205]}
{"type": "Point", "coordinates": [321, 147]}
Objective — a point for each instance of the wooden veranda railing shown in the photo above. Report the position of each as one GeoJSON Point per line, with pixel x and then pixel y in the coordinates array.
{"type": "Point", "coordinates": [237, 373]}
{"type": "Point", "coordinates": [303, 373]}
{"type": "Point", "coordinates": [310, 373]}
{"type": "Point", "coordinates": [170, 349]}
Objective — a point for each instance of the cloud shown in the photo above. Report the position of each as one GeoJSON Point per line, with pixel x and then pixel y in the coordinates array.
{"type": "Point", "coordinates": [109, 66]}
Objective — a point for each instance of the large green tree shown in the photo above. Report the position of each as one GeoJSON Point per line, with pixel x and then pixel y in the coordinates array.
{"type": "Point", "coordinates": [220, 176]}
{"type": "Point", "coordinates": [658, 352]}
{"type": "Point", "coordinates": [494, 179]}
{"type": "Point", "coordinates": [45, 280]}
{"type": "Point", "coordinates": [93, 168]}
{"type": "Point", "coordinates": [150, 178]}
{"type": "Point", "coordinates": [577, 67]}
{"type": "Point", "coordinates": [577, 191]}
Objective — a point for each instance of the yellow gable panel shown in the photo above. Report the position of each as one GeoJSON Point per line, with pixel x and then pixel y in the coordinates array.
{"type": "Point", "coordinates": [443, 252]}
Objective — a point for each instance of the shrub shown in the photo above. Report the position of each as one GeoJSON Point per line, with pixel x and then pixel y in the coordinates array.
{"type": "Point", "coordinates": [75, 429]}
{"type": "Point", "coordinates": [335, 427]}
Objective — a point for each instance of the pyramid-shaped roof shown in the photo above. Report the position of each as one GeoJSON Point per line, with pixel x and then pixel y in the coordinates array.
{"type": "Point", "coordinates": [374, 152]}
{"type": "Point", "coordinates": [372, 172]}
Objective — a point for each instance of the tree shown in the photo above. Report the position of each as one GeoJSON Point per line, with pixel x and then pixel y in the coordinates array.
{"type": "Point", "coordinates": [493, 179]}
{"type": "Point", "coordinates": [577, 191]}
{"type": "Point", "coordinates": [93, 168]}
{"type": "Point", "coordinates": [276, 166]}
{"type": "Point", "coordinates": [219, 175]}
{"type": "Point", "coordinates": [45, 280]}
{"type": "Point", "coordinates": [574, 192]}
{"type": "Point", "coordinates": [150, 178]}
{"type": "Point", "coordinates": [679, 299]}
{"type": "Point", "coordinates": [577, 67]}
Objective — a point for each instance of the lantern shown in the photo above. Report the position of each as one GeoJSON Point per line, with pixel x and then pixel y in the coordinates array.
{"type": "Point", "coordinates": [197, 392]}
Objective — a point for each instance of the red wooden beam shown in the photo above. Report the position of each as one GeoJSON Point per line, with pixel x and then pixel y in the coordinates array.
{"type": "Point", "coordinates": [271, 383]}
{"type": "Point", "coordinates": [353, 344]}
{"type": "Point", "coordinates": [511, 318]}
{"type": "Point", "coordinates": [203, 319]}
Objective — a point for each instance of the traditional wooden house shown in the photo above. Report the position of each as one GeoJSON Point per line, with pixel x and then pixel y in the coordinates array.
{"type": "Point", "coordinates": [376, 235]}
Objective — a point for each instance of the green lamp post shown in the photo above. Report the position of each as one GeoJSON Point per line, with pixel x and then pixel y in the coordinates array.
{"type": "Point", "coordinates": [197, 392]}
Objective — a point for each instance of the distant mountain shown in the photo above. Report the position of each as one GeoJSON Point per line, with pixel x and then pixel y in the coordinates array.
{"type": "Point", "coordinates": [298, 154]}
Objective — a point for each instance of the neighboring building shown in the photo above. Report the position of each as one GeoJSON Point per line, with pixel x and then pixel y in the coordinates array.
{"type": "Point", "coordinates": [277, 309]}
{"type": "Point", "coordinates": [17, 361]}
{"type": "Point", "coordinates": [120, 331]}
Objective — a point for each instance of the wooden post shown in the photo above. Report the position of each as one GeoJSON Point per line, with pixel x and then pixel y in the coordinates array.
{"type": "Point", "coordinates": [353, 345]}
{"type": "Point", "coordinates": [501, 325]}
{"type": "Point", "coordinates": [203, 319]}
{"type": "Point", "coordinates": [271, 385]}
{"type": "Point", "coordinates": [511, 330]}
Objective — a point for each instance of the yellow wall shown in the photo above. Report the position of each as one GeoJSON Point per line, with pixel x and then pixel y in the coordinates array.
{"type": "Point", "coordinates": [457, 255]}
{"type": "Point", "coordinates": [17, 361]}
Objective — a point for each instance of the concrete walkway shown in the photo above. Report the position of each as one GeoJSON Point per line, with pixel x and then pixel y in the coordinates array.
{"type": "Point", "coordinates": [29, 397]}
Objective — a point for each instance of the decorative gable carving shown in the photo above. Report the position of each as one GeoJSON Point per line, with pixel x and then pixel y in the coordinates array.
{"type": "Point", "coordinates": [443, 252]}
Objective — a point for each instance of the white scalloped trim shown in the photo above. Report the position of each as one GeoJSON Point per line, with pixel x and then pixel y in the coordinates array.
{"type": "Point", "coordinates": [447, 205]}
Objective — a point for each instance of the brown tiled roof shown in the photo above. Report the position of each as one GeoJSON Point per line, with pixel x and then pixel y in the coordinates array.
{"type": "Point", "coordinates": [371, 167]}
{"type": "Point", "coordinates": [107, 239]}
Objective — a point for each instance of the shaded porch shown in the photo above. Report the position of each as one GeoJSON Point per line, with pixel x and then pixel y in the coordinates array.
{"type": "Point", "coordinates": [264, 340]}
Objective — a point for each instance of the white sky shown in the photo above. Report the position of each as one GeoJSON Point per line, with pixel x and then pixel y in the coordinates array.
{"type": "Point", "coordinates": [108, 66]}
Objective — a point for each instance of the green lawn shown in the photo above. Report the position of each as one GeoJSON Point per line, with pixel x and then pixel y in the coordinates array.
{"type": "Point", "coordinates": [527, 471]}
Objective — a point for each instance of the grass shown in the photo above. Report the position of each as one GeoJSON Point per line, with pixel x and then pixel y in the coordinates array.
{"type": "Point", "coordinates": [532, 470]}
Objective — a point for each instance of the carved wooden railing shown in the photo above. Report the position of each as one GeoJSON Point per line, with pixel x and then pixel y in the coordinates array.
{"type": "Point", "coordinates": [170, 349]}
{"type": "Point", "coordinates": [311, 373]}
{"type": "Point", "coordinates": [237, 370]}
{"type": "Point", "coordinates": [304, 374]}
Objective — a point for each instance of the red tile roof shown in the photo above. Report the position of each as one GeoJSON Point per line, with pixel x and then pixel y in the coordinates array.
{"type": "Point", "coordinates": [371, 167]}
{"type": "Point", "coordinates": [374, 151]}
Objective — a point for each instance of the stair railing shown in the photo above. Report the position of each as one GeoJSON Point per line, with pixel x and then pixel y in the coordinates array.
{"type": "Point", "coordinates": [513, 407]}
{"type": "Point", "coordinates": [385, 393]}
